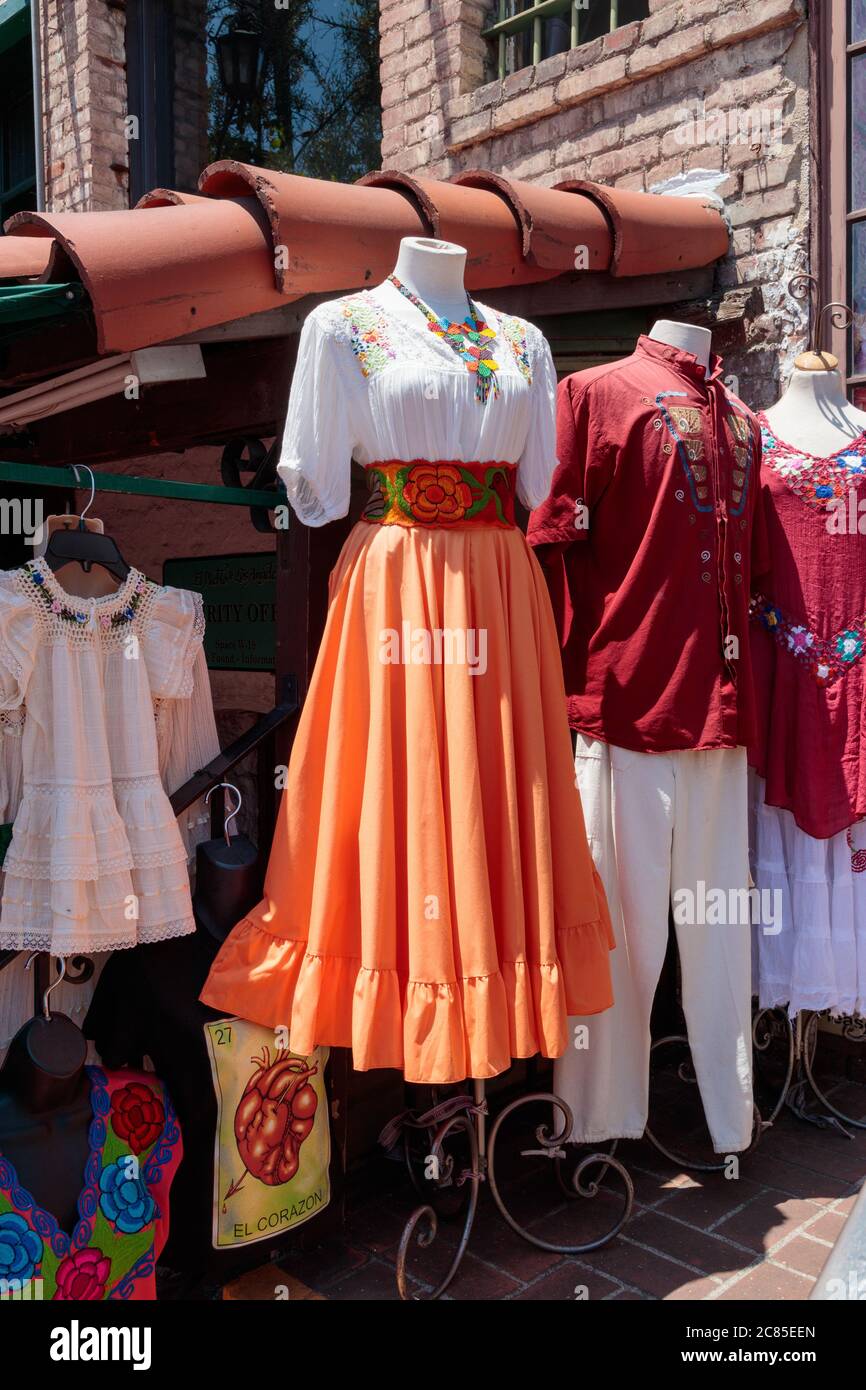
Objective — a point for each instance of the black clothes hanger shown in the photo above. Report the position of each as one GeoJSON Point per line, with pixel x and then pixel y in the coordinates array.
{"type": "Point", "coordinates": [229, 877]}
{"type": "Point", "coordinates": [86, 548]}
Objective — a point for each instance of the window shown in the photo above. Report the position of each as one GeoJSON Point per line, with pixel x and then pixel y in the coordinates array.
{"type": "Point", "coordinates": [526, 31]}
{"type": "Point", "coordinates": [17, 145]}
{"type": "Point", "coordinates": [856, 249]}
{"type": "Point", "coordinates": [839, 34]}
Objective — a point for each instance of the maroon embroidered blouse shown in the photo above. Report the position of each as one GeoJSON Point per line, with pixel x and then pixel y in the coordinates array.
{"type": "Point", "coordinates": [647, 539]}
{"type": "Point", "coordinates": [809, 620]}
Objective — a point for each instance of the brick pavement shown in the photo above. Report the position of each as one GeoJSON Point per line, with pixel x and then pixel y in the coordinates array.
{"type": "Point", "coordinates": [763, 1235]}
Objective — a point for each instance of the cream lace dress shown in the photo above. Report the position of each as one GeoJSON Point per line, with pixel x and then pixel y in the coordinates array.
{"type": "Point", "coordinates": [104, 703]}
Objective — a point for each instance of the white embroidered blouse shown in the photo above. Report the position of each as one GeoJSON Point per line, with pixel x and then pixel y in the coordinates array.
{"type": "Point", "coordinates": [373, 383]}
{"type": "Point", "coordinates": [104, 703]}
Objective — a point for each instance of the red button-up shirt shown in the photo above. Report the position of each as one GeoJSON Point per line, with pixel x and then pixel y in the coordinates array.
{"type": "Point", "coordinates": [647, 539]}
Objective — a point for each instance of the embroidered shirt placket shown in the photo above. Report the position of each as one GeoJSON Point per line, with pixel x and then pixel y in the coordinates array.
{"type": "Point", "coordinates": [721, 474]}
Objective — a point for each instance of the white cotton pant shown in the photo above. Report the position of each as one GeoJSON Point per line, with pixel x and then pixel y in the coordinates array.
{"type": "Point", "coordinates": [667, 828]}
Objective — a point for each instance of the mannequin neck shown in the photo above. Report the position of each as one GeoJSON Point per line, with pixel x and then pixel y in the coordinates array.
{"type": "Point", "coordinates": [44, 1067]}
{"type": "Point", "coordinates": [688, 337]}
{"type": "Point", "coordinates": [433, 270]}
{"type": "Point", "coordinates": [814, 413]}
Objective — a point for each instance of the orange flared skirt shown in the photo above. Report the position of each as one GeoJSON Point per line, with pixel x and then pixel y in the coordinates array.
{"type": "Point", "coordinates": [430, 900]}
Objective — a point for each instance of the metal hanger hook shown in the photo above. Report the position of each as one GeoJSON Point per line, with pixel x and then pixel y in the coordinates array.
{"type": "Point", "coordinates": [46, 1012]}
{"type": "Point", "coordinates": [83, 513]}
{"type": "Point", "coordinates": [229, 786]}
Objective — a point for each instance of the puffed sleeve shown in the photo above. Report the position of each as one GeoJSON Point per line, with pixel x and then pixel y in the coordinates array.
{"type": "Point", "coordinates": [316, 452]}
{"type": "Point", "coordinates": [538, 460]}
{"type": "Point", "coordinates": [186, 731]}
{"type": "Point", "coordinates": [18, 643]}
{"type": "Point", "coordinates": [172, 638]}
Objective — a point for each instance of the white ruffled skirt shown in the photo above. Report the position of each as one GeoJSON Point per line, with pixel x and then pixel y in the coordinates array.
{"type": "Point", "coordinates": [814, 955]}
{"type": "Point", "coordinates": [95, 869]}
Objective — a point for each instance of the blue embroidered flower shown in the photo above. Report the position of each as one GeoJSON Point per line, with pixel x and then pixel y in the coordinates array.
{"type": "Point", "coordinates": [824, 491]}
{"type": "Point", "coordinates": [37, 577]}
{"type": "Point", "coordinates": [771, 617]}
{"type": "Point", "coordinates": [20, 1248]}
{"type": "Point", "coordinates": [129, 614]}
{"type": "Point", "coordinates": [849, 646]}
{"type": "Point", "coordinates": [124, 1199]}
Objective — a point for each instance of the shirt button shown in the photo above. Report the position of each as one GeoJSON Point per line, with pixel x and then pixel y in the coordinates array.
{"type": "Point", "coordinates": [657, 424]}
{"type": "Point", "coordinates": [691, 518]}
{"type": "Point", "coordinates": [738, 579]}
{"type": "Point", "coordinates": [737, 556]}
{"type": "Point", "coordinates": [706, 577]}
{"type": "Point", "coordinates": [679, 494]}
{"type": "Point", "coordinates": [705, 555]}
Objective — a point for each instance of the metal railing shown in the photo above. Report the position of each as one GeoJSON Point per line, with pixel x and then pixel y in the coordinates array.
{"type": "Point", "coordinates": [532, 18]}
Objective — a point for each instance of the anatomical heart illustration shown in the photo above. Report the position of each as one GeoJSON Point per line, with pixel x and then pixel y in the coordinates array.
{"type": "Point", "coordinates": [276, 1113]}
{"type": "Point", "coordinates": [273, 1139]}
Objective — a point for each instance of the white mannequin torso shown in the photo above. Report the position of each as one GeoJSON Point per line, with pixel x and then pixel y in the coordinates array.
{"type": "Point", "coordinates": [814, 414]}
{"type": "Point", "coordinates": [688, 337]}
{"type": "Point", "coordinates": [433, 270]}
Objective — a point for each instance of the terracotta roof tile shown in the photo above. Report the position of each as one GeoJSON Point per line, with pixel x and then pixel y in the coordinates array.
{"type": "Point", "coordinates": [252, 239]}
{"type": "Point", "coordinates": [653, 232]}
{"type": "Point", "coordinates": [554, 225]}
{"type": "Point", "coordinates": [332, 235]}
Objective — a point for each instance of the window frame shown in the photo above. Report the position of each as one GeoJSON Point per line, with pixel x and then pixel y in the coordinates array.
{"type": "Point", "coordinates": [508, 26]}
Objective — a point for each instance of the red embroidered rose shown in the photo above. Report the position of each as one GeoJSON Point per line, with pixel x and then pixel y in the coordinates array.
{"type": "Point", "coordinates": [83, 1275]}
{"type": "Point", "coordinates": [137, 1116]}
{"type": "Point", "coordinates": [436, 492]}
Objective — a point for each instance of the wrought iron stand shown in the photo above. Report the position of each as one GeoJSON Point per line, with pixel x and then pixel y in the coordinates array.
{"type": "Point", "coordinates": [801, 1039]}
{"type": "Point", "coordinates": [444, 1177]}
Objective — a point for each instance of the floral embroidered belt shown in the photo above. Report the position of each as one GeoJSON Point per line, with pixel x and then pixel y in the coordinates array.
{"type": "Point", "coordinates": [428, 492]}
{"type": "Point", "coordinates": [826, 658]}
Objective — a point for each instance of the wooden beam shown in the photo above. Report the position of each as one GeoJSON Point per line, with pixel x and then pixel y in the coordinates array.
{"type": "Point", "coordinates": [583, 292]}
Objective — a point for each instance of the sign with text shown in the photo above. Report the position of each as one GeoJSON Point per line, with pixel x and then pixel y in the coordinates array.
{"type": "Point", "coordinates": [240, 598]}
{"type": "Point", "coordinates": [273, 1138]}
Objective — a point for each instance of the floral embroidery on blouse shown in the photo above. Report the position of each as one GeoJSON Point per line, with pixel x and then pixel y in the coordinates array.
{"type": "Point", "coordinates": [826, 658]}
{"type": "Point", "coordinates": [367, 332]}
{"type": "Point", "coordinates": [111, 1247]}
{"type": "Point", "coordinates": [820, 483]}
{"type": "Point", "coordinates": [38, 581]}
{"type": "Point", "coordinates": [514, 333]}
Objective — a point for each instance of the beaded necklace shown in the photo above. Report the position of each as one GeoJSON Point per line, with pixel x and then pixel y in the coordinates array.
{"type": "Point", "coordinates": [468, 339]}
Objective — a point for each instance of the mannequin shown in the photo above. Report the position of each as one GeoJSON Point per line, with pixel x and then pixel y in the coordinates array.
{"type": "Point", "coordinates": [45, 1113]}
{"type": "Point", "coordinates": [814, 414]}
{"type": "Point", "coordinates": [688, 337]}
{"type": "Point", "coordinates": [652, 500]}
{"type": "Point", "coordinates": [434, 271]}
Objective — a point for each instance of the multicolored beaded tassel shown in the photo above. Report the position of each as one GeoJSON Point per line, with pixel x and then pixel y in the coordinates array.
{"type": "Point", "coordinates": [466, 338]}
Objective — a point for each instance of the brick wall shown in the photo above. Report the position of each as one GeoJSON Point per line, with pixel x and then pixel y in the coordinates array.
{"type": "Point", "coordinates": [709, 90]}
{"type": "Point", "coordinates": [83, 47]}
{"type": "Point", "coordinates": [84, 104]}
